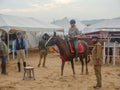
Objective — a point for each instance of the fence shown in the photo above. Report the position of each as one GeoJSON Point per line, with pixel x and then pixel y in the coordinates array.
{"type": "Point", "coordinates": [115, 51]}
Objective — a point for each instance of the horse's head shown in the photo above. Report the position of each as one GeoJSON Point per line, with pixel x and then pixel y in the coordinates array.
{"type": "Point", "coordinates": [51, 41]}
{"type": "Point", "coordinates": [45, 36]}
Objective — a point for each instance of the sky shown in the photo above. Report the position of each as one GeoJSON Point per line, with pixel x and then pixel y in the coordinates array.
{"type": "Point", "coordinates": [49, 10]}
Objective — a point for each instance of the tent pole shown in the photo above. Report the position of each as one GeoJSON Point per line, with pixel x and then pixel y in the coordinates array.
{"type": "Point", "coordinates": [26, 43]}
{"type": "Point", "coordinates": [8, 45]}
{"type": "Point", "coordinates": [13, 50]}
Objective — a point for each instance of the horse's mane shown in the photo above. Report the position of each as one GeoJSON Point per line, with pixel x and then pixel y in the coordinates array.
{"type": "Point", "coordinates": [62, 40]}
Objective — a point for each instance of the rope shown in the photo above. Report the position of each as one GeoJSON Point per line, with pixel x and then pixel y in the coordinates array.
{"type": "Point", "coordinates": [61, 56]}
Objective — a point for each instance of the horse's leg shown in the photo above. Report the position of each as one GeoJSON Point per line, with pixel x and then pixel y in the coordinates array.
{"type": "Point", "coordinates": [40, 60]}
{"type": "Point", "coordinates": [81, 59]}
{"type": "Point", "coordinates": [62, 67]}
{"type": "Point", "coordinates": [44, 60]}
{"type": "Point", "coordinates": [86, 61]}
{"type": "Point", "coordinates": [72, 65]}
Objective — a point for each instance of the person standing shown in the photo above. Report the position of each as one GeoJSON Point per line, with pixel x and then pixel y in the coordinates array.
{"type": "Point", "coordinates": [4, 38]}
{"type": "Point", "coordinates": [3, 55]}
{"type": "Point", "coordinates": [74, 34]}
{"type": "Point", "coordinates": [43, 49]}
{"type": "Point", "coordinates": [97, 59]}
{"type": "Point", "coordinates": [20, 48]}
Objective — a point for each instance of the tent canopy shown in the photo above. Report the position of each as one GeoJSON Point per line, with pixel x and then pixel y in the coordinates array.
{"type": "Point", "coordinates": [106, 25]}
{"type": "Point", "coordinates": [8, 22]}
{"type": "Point", "coordinates": [65, 22]}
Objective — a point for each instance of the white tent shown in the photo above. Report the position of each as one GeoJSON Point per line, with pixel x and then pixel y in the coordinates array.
{"type": "Point", "coordinates": [31, 25]}
{"type": "Point", "coordinates": [8, 22]}
{"type": "Point", "coordinates": [106, 25]}
{"type": "Point", "coordinates": [65, 22]}
{"type": "Point", "coordinates": [31, 40]}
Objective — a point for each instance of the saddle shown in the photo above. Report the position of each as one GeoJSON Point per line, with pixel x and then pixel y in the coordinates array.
{"type": "Point", "coordinates": [80, 47]}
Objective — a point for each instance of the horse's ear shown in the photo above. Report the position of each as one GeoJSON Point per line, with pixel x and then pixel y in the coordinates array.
{"type": "Point", "coordinates": [54, 34]}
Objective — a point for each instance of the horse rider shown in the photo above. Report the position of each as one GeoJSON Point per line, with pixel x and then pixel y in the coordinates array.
{"type": "Point", "coordinates": [43, 48]}
{"type": "Point", "coordinates": [3, 55]}
{"type": "Point", "coordinates": [20, 48]}
{"type": "Point", "coordinates": [74, 34]}
{"type": "Point", "coordinates": [97, 59]}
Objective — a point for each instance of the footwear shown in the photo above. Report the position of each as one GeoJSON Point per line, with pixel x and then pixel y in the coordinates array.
{"type": "Point", "coordinates": [19, 69]}
{"type": "Point", "coordinates": [1, 68]}
{"type": "Point", "coordinates": [4, 69]}
{"type": "Point", "coordinates": [97, 86]}
{"type": "Point", "coordinates": [24, 64]}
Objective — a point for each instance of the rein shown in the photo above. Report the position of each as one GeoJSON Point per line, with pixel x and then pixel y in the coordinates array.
{"type": "Point", "coordinates": [61, 56]}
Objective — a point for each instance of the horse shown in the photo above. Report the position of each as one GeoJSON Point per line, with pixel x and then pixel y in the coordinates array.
{"type": "Point", "coordinates": [43, 52]}
{"type": "Point", "coordinates": [67, 55]}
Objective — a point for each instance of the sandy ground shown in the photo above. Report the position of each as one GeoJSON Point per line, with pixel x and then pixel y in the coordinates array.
{"type": "Point", "coordinates": [48, 78]}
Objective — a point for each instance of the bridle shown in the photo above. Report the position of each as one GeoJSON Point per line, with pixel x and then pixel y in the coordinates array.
{"type": "Point", "coordinates": [48, 41]}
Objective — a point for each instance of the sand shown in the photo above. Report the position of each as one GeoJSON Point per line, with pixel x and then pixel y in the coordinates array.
{"type": "Point", "coordinates": [48, 78]}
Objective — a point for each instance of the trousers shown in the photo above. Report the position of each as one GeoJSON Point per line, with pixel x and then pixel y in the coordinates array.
{"type": "Point", "coordinates": [21, 55]}
{"type": "Point", "coordinates": [97, 69]}
{"type": "Point", "coordinates": [4, 59]}
{"type": "Point", "coordinates": [74, 42]}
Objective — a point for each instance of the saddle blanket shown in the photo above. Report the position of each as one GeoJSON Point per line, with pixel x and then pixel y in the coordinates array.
{"type": "Point", "coordinates": [80, 48]}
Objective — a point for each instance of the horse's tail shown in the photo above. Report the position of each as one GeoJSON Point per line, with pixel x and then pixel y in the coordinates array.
{"type": "Point", "coordinates": [88, 58]}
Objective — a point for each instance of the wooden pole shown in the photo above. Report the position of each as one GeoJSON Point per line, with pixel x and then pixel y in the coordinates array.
{"type": "Point", "coordinates": [8, 45]}
{"type": "Point", "coordinates": [108, 56]}
{"type": "Point", "coordinates": [114, 52]}
{"type": "Point", "coordinates": [104, 53]}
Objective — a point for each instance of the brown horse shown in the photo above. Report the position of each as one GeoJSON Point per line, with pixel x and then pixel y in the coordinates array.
{"type": "Point", "coordinates": [67, 55]}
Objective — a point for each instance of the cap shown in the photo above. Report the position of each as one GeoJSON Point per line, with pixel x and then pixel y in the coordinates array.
{"type": "Point", "coordinates": [19, 33]}
{"type": "Point", "coordinates": [72, 21]}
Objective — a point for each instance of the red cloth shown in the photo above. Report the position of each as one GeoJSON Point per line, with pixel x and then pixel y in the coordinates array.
{"type": "Point", "coordinates": [61, 56]}
{"type": "Point", "coordinates": [80, 48]}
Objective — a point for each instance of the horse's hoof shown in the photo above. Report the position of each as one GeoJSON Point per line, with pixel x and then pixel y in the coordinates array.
{"type": "Point", "coordinates": [61, 77]}
{"type": "Point", "coordinates": [44, 66]}
{"type": "Point", "coordinates": [74, 75]}
{"type": "Point", "coordinates": [38, 65]}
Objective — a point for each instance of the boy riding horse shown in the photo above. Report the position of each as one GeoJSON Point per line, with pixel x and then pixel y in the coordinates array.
{"type": "Point", "coordinates": [74, 34]}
